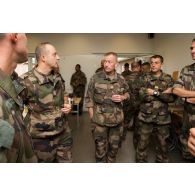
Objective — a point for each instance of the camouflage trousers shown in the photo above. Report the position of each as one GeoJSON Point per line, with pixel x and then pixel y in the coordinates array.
{"type": "Point", "coordinates": [136, 132]}
{"type": "Point", "coordinates": [54, 149]}
{"type": "Point", "coordinates": [188, 122]}
{"type": "Point", "coordinates": [107, 141]}
{"type": "Point", "coordinates": [184, 148]}
{"type": "Point", "coordinates": [160, 133]}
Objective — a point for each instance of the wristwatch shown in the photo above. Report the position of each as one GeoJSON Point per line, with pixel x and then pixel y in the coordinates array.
{"type": "Point", "coordinates": [155, 93]}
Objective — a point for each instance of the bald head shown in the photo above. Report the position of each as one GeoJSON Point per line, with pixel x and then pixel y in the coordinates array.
{"type": "Point", "coordinates": [42, 49]}
{"type": "Point", "coordinates": [13, 49]}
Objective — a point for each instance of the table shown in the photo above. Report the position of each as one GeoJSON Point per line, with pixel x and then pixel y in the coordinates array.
{"type": "Point", "coordinates": [76, 102]}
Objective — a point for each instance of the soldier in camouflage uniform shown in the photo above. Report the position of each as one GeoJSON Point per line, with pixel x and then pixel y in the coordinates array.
{"type": "Point", "coordinates": [101, 68]}
{"type": "Point", "coordinates": [78, 82]}
{"type": "Point", "coordinates": [106, 92]}
{"type": "Point", "coordinates": [126, 71]}
{"type": "Point", "coordinates": [15, 141]}
{"type": "Point", "coordinates": [44, 99]}
{"type": "Point", "coordinates": [154, 117]}
{"type": "Point", "coordinates": [185, 87]}
{"type": "Point", "coordinates": [145, 67]}
{"type": "Point", "coordinates": [131, 107]}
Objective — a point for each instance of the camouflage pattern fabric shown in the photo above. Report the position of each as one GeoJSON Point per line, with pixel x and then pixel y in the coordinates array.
{"type": "Point", "coordinates": [108, 115]}
{"type": "Point", "coordinates": [160, 133]}
{"type": "Point", "coordinates": [154, 114]}
{"type": "Point", "coordinates": [187, 80]}
{"type": "Point", "coordinates": [107, 141]}
{"type": "Point", "coordinates": [78, 82]}
{"type": "Point", "coordinates": [55, 149]}
{"type": "Point", "coordinates": [44, 97]}
{"type": "Point", "coordinates": [99, 69]}
{"type": "Point", "coordinates": [99, 96]}
{"type": "Point", "coordinates": [126, 73]}
{"type": "Point", "coordinates": [135, 108]}
{"type": "Point", "coordinates": [15, 141]}
{"type": "Point", "coordinates": [131, 106]}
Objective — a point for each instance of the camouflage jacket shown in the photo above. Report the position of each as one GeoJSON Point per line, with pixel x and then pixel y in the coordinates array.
{"type": "Point", "coordinates": [99, 96]}
{"type": "Point", "coordinates": [125, 73]}
{"type": "Point", "coordinates": [44, 98]}
{"type": "Point", "coordinates": [15, 141]}
{"type": "Point", "coordinates": [78, 78]}
{"type": "Point", "coordinates": [99, 69]}
{"type": "Point", "coordinates": [134, 87]}
{"type": "Point", "coordinates": [187, 81]}
{"type": "Point", "coordinates": [155, 108]}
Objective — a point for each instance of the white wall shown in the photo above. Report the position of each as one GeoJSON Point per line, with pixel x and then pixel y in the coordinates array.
{"type": "Point", "coordinates": [175, 49]}
{"type": "Point", "coordinates": [79, 48]}
{"type": "Point", "coordinates": [69, 44]}
{"type": "Point", "coordinates": [89, 63]}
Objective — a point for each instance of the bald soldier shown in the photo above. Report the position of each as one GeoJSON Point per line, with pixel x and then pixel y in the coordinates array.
{"type": "Point", "coordinates": [44, 99]}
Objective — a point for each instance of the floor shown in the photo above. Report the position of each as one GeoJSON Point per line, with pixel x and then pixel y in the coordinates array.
{"type": "Point", "coordinates": [83, 146]}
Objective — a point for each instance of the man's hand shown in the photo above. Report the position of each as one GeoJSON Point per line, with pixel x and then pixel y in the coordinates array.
{"type": "Point", "coordinates": [90, 110]}
{"type": "Point", "coordinates": [66, 109]}
{"type": "Point", "coordinates": [190, 100]}
{"type": "Point", "coordinates": [117, 98]}
{"type": "Point", "coordinates": [150, 91]}
{"type": "Point", "coordinates": [191, 141]}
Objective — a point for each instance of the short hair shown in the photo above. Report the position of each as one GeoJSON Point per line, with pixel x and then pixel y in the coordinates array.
{"type": "Point", "coordinates": [126, 65]}
{"type": "Point", "coordinates": [135, 65]}
{"type": "Point", "coordinates": [158, 56]}
{"type": "Point", "coordinates": [193, 40]}
{"type": "Point", "coordinates": [140, 62]}
{"type": "Point", "coordinates": [146, 64]}
{"type": "Point", "coordinates": [102, 62]}
{"type": "Point", "coordinates": [78, 65]}
{"type": "Point", "coordinates": [40, 49]}
{"type": "Point", "coordinates": [111, 53]}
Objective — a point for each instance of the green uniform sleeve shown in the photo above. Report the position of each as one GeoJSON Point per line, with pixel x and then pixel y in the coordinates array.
{"type": "Point", "coordinates": [168, 98]}
{"type": "Point", "coordinates": [6, 134]}
{"type": "Point", "coordinates": [3, 158]}
{"type": "Point", "coordinates": [90, 94]}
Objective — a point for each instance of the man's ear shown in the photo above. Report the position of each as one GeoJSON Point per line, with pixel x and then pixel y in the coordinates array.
{"type": "Point", "coordinates": [14, 37]}
{"type": "Point", "coordinates": [42, 58]}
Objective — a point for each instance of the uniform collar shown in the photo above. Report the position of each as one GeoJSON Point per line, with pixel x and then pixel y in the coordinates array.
{"type": "Point", "coordinates": [107, 76]}
{"type": "Point", "coordinates": [6, 84]}
{"type": "Point", "coordinates": [153, 77]}
{"type": "Point", "coordinates": [192, 67]}
{"type": "Point", "coordinates": [43, 78]}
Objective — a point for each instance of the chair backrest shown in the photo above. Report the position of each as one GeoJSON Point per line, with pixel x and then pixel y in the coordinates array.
{"type": "Point", "coordinates": [175, 75]}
